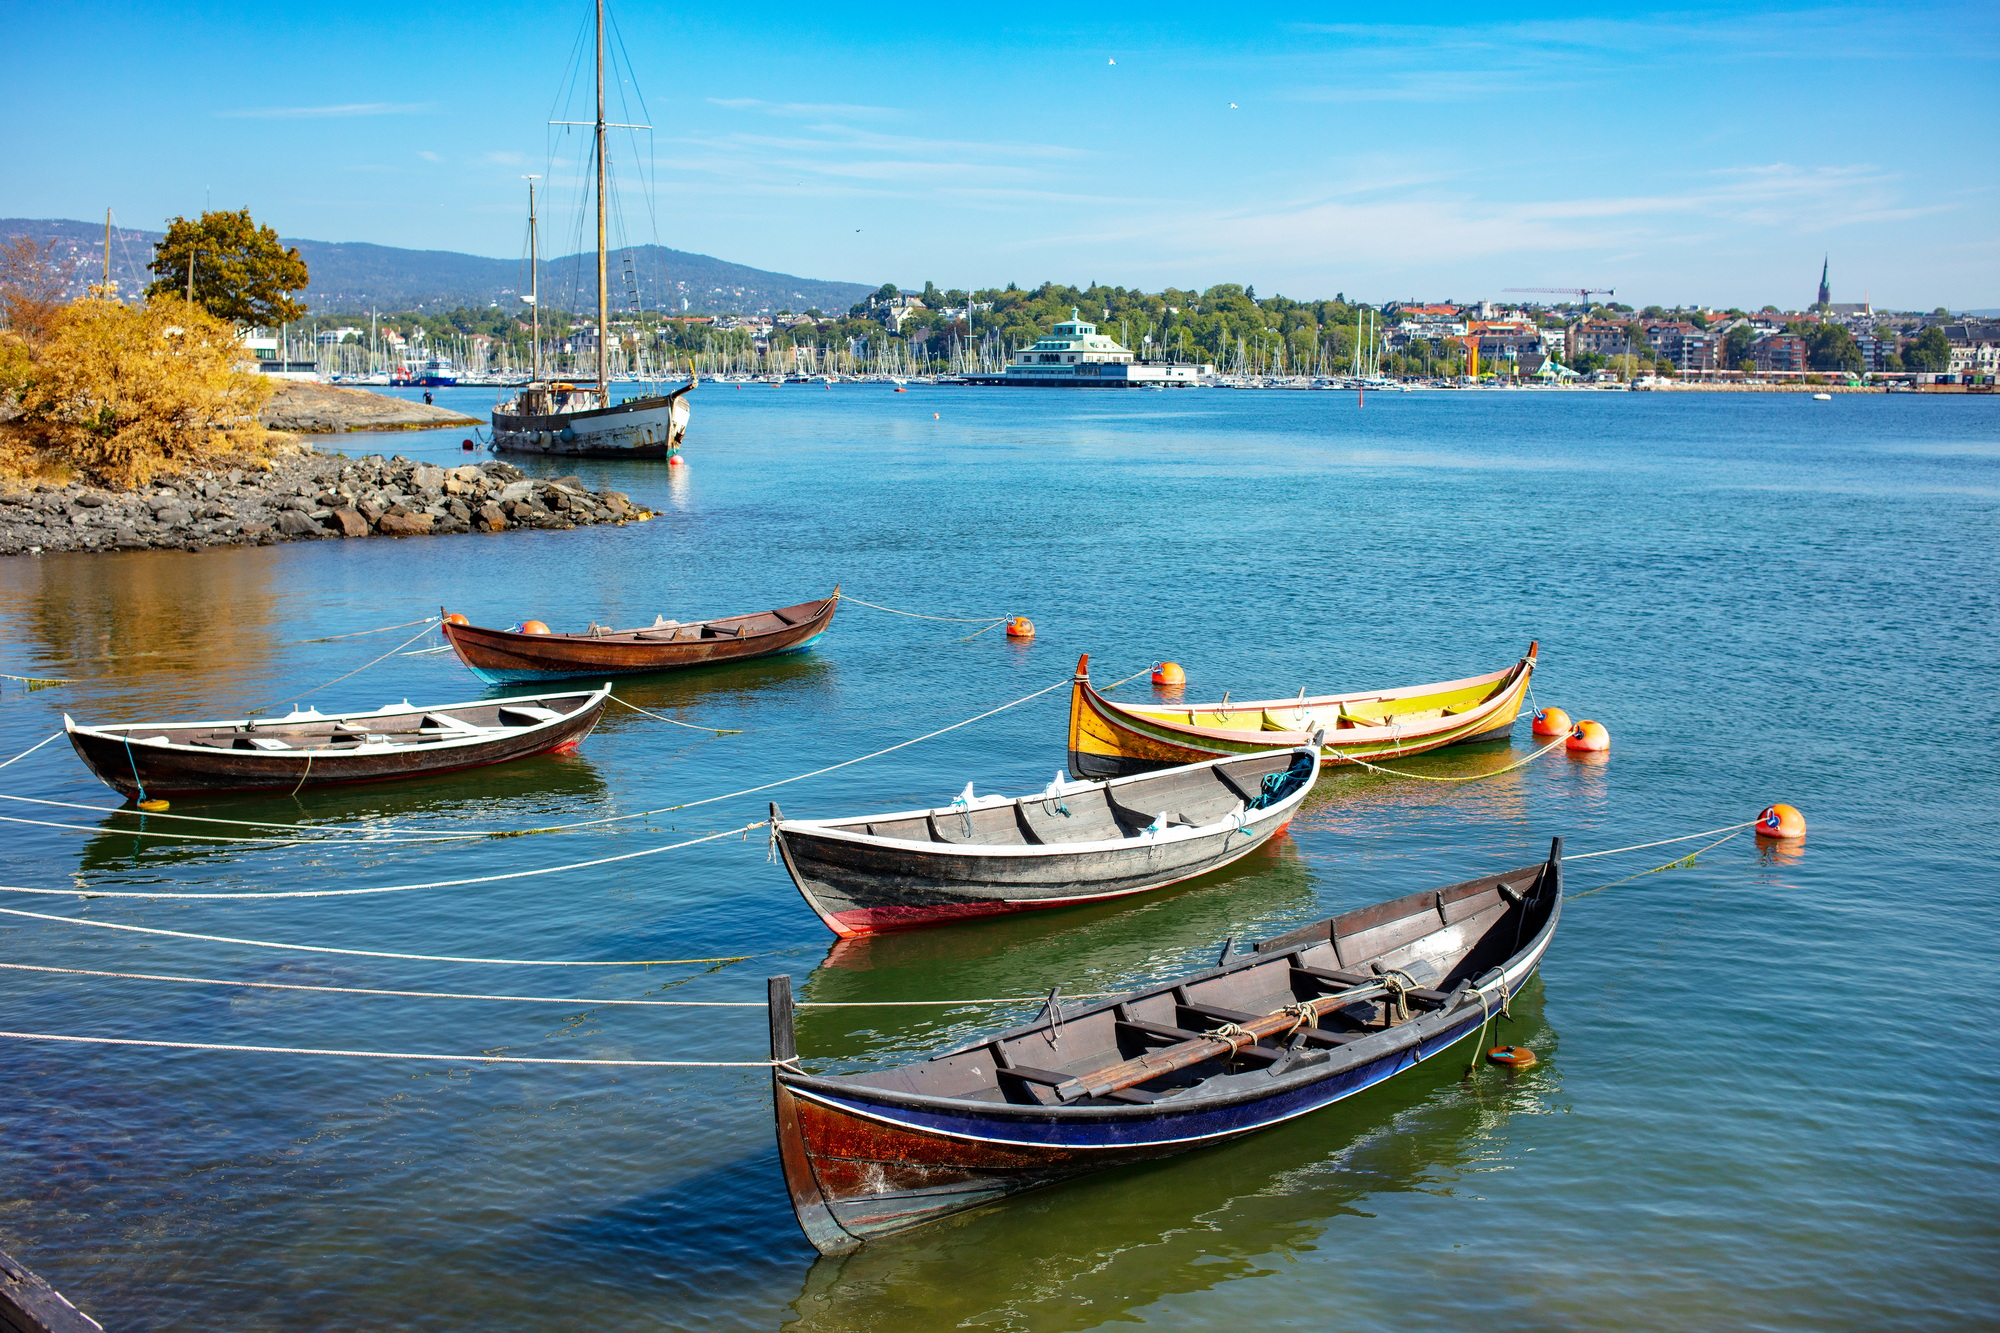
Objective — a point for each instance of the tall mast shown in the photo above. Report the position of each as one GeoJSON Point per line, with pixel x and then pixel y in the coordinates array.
{"type": "Point", "coordinates": [603, 282]}
{"type": "Point", "coordinates": [534, 283]}
{"type": "Point", "coordinates": [107, 253]}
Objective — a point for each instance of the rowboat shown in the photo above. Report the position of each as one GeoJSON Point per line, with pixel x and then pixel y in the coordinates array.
{"type": "Point", "coordinates": [1075, 842]}
{"type": "Point", "coordinates": [313, 749]}
{"type": "Point", "coordinates": [1306, 1019]}
{"type": "Point", "coordinates": [1109, 739]}
{"type": "Point", "coordinates": [506, 656]}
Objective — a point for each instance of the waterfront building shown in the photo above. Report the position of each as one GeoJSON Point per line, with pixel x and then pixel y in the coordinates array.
{"type": "Point", "coordinates": [1603, 338]}
{"type": "Point", "coordinates": [1689, 348]}
{"type": "Point", "coordinates": [1075, 355]}
{"type": "Point", "coordinates": [1779, 353]}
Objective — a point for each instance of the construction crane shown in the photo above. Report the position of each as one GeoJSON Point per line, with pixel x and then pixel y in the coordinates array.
{"type": "Point", "coordinates": [1583, 294]}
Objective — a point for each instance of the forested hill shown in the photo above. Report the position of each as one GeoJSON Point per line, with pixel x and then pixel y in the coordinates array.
{"type": "Point", "coordinates": [355, 276]}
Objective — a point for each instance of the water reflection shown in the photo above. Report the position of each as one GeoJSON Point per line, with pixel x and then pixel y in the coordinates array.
{"type": "Point", "coordinates": [500, 795]}
{"type": "Point", "coordinates": [1103, 1248]}
{"type": "Point", "coordinates": [105, 615]}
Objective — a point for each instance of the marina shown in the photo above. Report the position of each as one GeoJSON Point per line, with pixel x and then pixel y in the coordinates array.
{"type": "Point", "coordinates": [283, 1175]}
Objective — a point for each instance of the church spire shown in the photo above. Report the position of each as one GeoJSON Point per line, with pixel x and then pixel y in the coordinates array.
{"type": "Point", "coordinates": [1825, 292]}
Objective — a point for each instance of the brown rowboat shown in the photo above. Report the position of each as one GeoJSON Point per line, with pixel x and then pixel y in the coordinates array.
{"type": "Point", "coordinates": [505, 656]}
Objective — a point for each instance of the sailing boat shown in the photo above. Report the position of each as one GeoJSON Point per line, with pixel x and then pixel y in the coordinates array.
{"type": "Point", "coordinates": [580, 420]}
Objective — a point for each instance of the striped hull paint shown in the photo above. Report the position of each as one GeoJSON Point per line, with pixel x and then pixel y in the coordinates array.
{"type": "Point", "coordinates": [1109, 739]}
{"type": "Point", "coordinates": [864, 1158]}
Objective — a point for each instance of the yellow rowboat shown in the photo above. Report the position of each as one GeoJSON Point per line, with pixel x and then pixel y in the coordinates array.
{"type": "Point", "coordinates": [1108, 739]}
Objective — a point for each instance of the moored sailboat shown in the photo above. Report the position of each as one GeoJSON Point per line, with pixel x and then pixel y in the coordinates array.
{"type": "Point", "coordinates": [580, 420]}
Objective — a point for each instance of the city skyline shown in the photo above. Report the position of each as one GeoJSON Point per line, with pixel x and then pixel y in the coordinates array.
{"type": "Point", "coordinates": [1705, 157]}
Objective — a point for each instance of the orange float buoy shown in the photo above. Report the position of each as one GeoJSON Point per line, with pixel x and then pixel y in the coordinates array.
{"type": "Point", "coordinates": [456, 619]}
{"type": "Point", "coordinates": [152, 805]}
{"type": "Point", "coordinates": [1169, 673]}
{"type": "Point", "coordinates": [1781, 821]}
{"type": "Point", "coordinates": [1587, 737]}
{"type": "Point", "coordinates": [1551, 722]}
{"type": "Point", "coordinates": [1514, 1057]}
{"type": "Point", "coordinates": [1020, 627]}
{"type": "Point", "coordinates": [674, 460]}
{"type": "Point", "coordinates": [533, 627]}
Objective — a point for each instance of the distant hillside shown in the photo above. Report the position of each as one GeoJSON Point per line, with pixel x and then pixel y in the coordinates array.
{"type": "Point", "coordinates": [354, 276]}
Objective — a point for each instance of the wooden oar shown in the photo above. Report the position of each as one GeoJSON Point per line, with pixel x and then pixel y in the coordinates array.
{"type": "Point", "coordinates": [1233, 1037]}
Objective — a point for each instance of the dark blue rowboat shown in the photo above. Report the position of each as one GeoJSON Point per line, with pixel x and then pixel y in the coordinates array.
{"type": "Point", "coordinates": [1306, 1019]}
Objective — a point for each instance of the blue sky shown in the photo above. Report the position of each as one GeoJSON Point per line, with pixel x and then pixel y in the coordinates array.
{"type": "Point", "coordinates": [1697, 154]}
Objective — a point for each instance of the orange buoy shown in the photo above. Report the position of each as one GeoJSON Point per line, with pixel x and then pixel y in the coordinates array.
{"type": "Point", "coordinates": [456, 619]}
{"type": "Point", "coordinates": [152, 804]}
{"type": "Point", "coordinates": [674, 460]}
{"type": "Point", "coordinates": [533, 627]}
{"type": "Point", "coordinates": [1169, 673]}
{"type": "Point", "coordinates": [1514, 1057]}
{"type": "Point", "coordinates": [1020, 627]}
{"type": "Point", "coordinates": [1587, 737]}
{"type": "Point", "coordinates": [1551, 722]}
{"type": "Point", "coordinates": [1781, 821]}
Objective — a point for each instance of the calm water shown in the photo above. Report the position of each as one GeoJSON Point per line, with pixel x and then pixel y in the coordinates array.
{"type": "Point", "coordinates": [1769, 1082]}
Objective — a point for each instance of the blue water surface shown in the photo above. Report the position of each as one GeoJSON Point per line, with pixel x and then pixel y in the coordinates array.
{"type": "Point", "coordinates": [1767, 1087]}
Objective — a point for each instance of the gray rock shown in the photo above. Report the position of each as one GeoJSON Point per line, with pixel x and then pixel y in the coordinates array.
{"type": "Point", "coordinates": [295, 524]}
{"type": "Point", "coordinates": [516, 490]}
{"type": "Point", "coordinates": [172, 516]}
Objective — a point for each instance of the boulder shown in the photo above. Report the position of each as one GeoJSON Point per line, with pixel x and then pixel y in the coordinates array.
{"type": "Point", "coordinates": [405, 524]}
{"type": "Point", "coordinates": [349, 523]}
{"type": "Point", "coordinates": [172, 516]}
{"type": "Point", "coordinates": [491, 518]}
{"type": "Point", "coordinates": [514, 490]}
{"type": "Point", "coordinates": [293, 523]}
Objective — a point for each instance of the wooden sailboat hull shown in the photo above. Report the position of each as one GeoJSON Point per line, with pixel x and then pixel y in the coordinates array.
{"type": "Point", "coordinates": [503, 656]}
{"type": "Point", "coordinates": [939, 866]}
{"type": "Point", "coordinates": [638, 428]}
{"type": "Point", "coordinates": [869, 1155]}
{"type": "Point", "coordinates": [329, 749]}
{"type": "Point", "coordinates": [1111, 739]}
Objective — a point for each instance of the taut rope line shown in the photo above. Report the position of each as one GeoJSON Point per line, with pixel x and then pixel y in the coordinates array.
{"type": "Point", "coordinates": [384, 888]}
{"type": "Point", "coordinates": [419, 834]}
{"type": "Point", "coordinates": [546, 999]}
{"type": "Point", "coordinates": [1663, 842]}
{"type": "Point", "coordinates": [953, 620]}
{"type": "Point", "coordinates": [32, 748]}
{"type": "Point", "coordinates": [1679, 860]}
{"type": "Point", "coordinates": [362, 953]}
{"type": "Point", "coordinates": [389, 1055]}
{"type": "Point", "coordinates": [1474, 777]}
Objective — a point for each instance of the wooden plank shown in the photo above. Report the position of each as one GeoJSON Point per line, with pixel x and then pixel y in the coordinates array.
{"type": "Point", "coordinates": [30, 1305]}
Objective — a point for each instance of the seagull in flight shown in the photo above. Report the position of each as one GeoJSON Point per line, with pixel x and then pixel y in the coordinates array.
{"type": "Point", "coordinates": [1111, 62]}
{"type": "Point", "coordinates": [1232, 106]}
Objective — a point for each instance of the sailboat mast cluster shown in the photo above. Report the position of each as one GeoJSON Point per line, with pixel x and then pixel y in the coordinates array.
{"type": "Point", "coordinates": [571, 419]}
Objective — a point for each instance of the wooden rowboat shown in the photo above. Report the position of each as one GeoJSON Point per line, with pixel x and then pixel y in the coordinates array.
{"type": "Point", "coordinates": [314, 749]}
{"type": "Point", "coordinates": [1076, 842]}
{"type": "Point", "coordinates": [1108, 739]}
{"type": "Point", "coordinates": [1309, 1018]}
{"type": "Point", "coordinates": [501, 656]}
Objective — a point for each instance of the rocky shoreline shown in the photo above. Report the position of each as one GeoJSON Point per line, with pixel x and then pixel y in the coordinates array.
{"type": "Point", "coordinates": [322, 409]}
{"type": "Point", "coordinates": [302, 497]}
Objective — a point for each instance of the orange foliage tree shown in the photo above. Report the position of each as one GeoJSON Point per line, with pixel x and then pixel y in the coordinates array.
{"type": "Point", "coordinates": [121, 393]}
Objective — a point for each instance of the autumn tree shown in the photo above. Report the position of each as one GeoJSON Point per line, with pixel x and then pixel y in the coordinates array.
{"type": "Point", "coordinates": [33, 282]}
{"type": "Point", "coordinates": [121, 393]}
{"type": "Point", "coordinates": [242, 273]}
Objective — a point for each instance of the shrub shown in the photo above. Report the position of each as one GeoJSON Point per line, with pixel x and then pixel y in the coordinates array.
{"type": "Point", "coordinates": [121, 393]}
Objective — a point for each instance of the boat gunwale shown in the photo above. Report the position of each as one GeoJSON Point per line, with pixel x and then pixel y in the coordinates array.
{"type": "Point", "coordinates": [630, 405]}
{"type": "Point", "coordinates": [1514, 971]}
{"type": "Point", "coordinates": [1342, 738]}
{"type": "Point", "coordinates": [1287, 806]}
{"type": "Point", "coordinates": [626, 638]}
{"type": "Point", "coordinates": [590, 698]}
